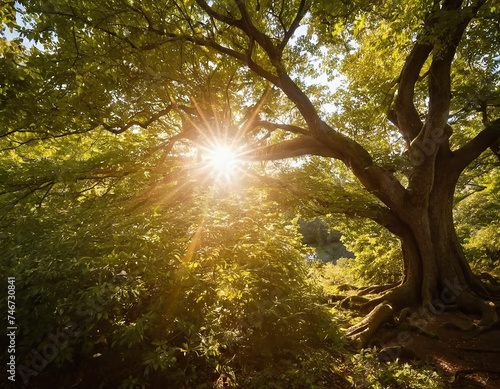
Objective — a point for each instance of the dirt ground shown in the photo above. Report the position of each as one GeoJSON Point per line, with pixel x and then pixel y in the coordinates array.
{"type": "Point", "coordinates": [467, 360]}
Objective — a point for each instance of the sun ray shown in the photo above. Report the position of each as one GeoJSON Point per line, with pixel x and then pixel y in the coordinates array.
{"type": "Point", "coordinates": [255, 112]}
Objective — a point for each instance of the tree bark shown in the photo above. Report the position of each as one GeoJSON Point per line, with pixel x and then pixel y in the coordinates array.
{"type": "Point", "coordinates": [436, 273]}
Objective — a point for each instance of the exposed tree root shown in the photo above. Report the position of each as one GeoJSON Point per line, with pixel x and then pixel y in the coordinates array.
{"type": "Point", "coordinates": [353, 302]}
{"type": "Point", "coordinates": [403, 315]}
{"type": "Point", "coordinates": [482, 329]}
{"type": "Point", "coordinates": [423, 331]}
{"type": "Point", "coordinates": [381, 311]}
{"type": "Point", "coordinates": [371, 304]}
{"type": "Point", "coordinates": [376, 289]}
{"type": "Point", "coordinates": [397, 298]}
{"type": "Point", "coordinates": [333, 298]}
{"type": "Point", "coordinates": [405, 318]}
{"type": "Point", "coordinates": [459, 373]}
{"type": "Point", "coordinates": [366, 328]}
{"type": "Point", "coordinates": [488, 277]}
{"type": "Point", "coordinates": [346, 287]}
{"type": "Point", "coordinates": [472, 304]}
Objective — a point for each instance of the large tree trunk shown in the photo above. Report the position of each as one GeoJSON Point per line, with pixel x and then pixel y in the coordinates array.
{"type": "Point", "coordinates": [445, 277]}
{"type": "Point", "coordinates": [436, 274]}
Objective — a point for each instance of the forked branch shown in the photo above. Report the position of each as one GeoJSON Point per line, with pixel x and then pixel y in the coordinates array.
{"type": "Point", "coordinates": [440, 70]}
{"type": "Point", "coordinates": [303, 8]}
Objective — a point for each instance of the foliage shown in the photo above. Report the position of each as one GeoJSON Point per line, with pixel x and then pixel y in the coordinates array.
{"type": "Point", "coordinates": [320, 187]}
{"type": "Point", "coordinates": [377, 253]}
{"type": "Point", "coordinates": [476, 217]}
{"type": "Point", "coordinates": [149, 268]}
{"type": "Point", "coordinates": [368, 372]}
{"type": "Point", "coordinates": [209, 288]}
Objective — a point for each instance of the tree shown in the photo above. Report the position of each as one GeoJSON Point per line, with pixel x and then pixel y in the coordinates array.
{"type": "Point", "coordinates": [419, 106]}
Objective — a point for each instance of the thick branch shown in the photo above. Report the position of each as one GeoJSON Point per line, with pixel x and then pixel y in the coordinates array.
{"type": "Point", "coordinates": [288, 149]}
{"type": "Point", "coordinates": [406, 115]}
{"type": "Point", "coordinates": [254, 33]}
{"type": "Point", "coordinates": [431, 145]}
{"type": "Point", "coordinates": [356, 206]}
{"type": "Point", "coordinates": [379, 214]}
{"type": "Point", "coordinates": [489, 137]}
{"type": "Point", "coordinates": [408, 119]}
{"type": "Point", "coordinates": [325, 141]}
{"type": "Point", "coordinates": [440, 70]}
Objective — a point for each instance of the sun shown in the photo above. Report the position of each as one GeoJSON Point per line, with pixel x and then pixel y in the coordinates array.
{"type": "Point", "coordinates": [222, 159]}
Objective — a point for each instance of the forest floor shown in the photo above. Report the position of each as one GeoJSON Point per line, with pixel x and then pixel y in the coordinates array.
{"type": "Point", "coordinates": [448, 343]}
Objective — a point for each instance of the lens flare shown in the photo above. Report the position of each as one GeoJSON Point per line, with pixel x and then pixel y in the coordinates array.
{"type": "Point", "coordinates": [222, 159]}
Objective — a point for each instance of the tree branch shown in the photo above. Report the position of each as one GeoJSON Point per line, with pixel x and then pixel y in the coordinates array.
{"type": "Point", "coordinates": [488, 137]}
{"type": "Point", "coordinates": [144, 125]}
{"type": "Point", "coordinates": [449, 24]}
{"type": "Point", "coordinates": [295, 24]}
{"type": "Point", "coordinates": [288, 149]}
{"type": "Point", "coordinates": [216, 15]}
{"type": "Point", "coordinates": [253, 32]}
{"type": "Point", "coordinates": [252, 115]}
{"type": "Point", "coordinates": [440, 70]}
{"type": "Point", "coordinates": [357, 206]}
{"type": "Point", "coordinates": [408, 118]}
{"type": "Point", "coordinates": [324, 141]}
{"type": "Point", "coordinates": [237, 55]}
{"type": "Point", "coordinates": [285, 127]}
